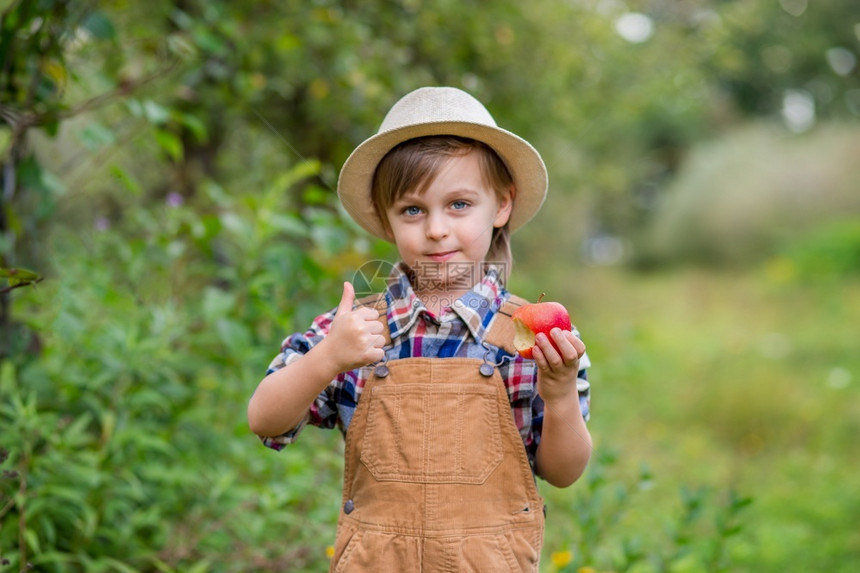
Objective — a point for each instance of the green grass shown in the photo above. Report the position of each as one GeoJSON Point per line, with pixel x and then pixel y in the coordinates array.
{"type": "Point", "coordinates": [717, 383]}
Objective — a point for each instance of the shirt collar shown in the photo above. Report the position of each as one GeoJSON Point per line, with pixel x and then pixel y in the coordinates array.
{"type": "Point", "coordinates": [474, 308]}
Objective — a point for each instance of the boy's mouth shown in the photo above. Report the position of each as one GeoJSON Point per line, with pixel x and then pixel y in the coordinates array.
{"type": "Point", "coordinates": [441, 257]}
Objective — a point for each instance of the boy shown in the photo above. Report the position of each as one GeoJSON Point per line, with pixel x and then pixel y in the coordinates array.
{"type": "Point", "coordinates": [445, 424]}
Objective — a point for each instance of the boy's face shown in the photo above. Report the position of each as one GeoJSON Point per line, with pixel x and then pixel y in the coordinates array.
{"type": "Point", "coordinates": [444, 234]}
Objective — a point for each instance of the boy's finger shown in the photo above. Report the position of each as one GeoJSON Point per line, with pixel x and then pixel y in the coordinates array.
{"type": "Point", "coordinates": [347, 298]}
{"type": "Point", "coordinates": [578, 344]}
{"type": "Point", "coordinates": [548, 352]}
{"type": "Point", "coordinates": [539, 358]}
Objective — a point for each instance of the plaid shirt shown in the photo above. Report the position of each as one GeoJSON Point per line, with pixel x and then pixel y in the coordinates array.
{"type": "Point", "coordinates": [416, 332]}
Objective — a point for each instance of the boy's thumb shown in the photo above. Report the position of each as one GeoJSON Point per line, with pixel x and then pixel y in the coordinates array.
{"type": "Point", "coordinates": [347, 298]}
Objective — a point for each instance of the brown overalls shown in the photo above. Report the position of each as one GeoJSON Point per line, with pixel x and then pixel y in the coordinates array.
{"type": "Point", "coordinates": [436, 477]}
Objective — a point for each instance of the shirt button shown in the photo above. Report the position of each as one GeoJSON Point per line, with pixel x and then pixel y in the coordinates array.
{"type": "Point", "coordinates": [348, 507]}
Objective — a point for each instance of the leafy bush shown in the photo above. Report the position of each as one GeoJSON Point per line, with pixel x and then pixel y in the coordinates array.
{"type": "Point", "coordinates": [695, 538]}
{"type": "Point", "coordinates": [747, 195]}
{"type": "Point", "coordinates": [127, 435]}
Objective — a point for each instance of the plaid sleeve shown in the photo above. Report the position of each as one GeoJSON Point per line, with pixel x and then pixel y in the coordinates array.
{"type": "Point", "coordinates": [520, 376]}
{"type": "Point", "coordinates": [322, 411]}
{"type": "Point", "coordinates": [583, 387]}
{"type": "Point", "coordinates": [530, 414]}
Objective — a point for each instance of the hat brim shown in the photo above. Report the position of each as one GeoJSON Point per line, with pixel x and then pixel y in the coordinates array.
{"type": "Point", "coordinates": [522, 160]}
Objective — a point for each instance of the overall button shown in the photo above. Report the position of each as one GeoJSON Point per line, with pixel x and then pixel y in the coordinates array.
{"type": "Point", "coordinates": [348, 507]}
{"type": "Point", "coordinates": [381, 371]}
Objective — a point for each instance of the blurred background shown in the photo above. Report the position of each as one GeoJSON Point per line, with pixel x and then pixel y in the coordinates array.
{"type": "Point", "coordinates": [168, 216]}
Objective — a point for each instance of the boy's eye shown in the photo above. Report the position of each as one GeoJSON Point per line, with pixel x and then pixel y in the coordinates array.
{"type": "Point", "coordinates": [412, 210]}
{"type": "Point", "coordinates": [459, 205]}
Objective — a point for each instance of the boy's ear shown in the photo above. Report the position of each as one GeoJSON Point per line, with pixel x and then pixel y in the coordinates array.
{"type": "Point", "coordinates": [506, 205]}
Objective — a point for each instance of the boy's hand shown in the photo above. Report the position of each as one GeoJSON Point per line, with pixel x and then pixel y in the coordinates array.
{"type": "Point", "coordinates": [558, 369]}
{"type": "Point", "coordinates": [355, 337]}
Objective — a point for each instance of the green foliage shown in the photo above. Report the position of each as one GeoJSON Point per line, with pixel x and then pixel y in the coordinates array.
{"type": "Point", "coordinates": [128, 433]}
{"type": "Point", "coordinates": [767, 48]}
{"type": "Point", "coordinates": [39, 45]}
{"type": "Point", "coordinates": [831, 252]}
{"type": "Point", "coordinates": [17, 278]}
{"type": "Point", "coordinates": [695, 538]}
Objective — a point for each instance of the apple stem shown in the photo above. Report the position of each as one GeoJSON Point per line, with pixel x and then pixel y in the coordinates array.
{"type": "Point", "coordinates": [540, 298]}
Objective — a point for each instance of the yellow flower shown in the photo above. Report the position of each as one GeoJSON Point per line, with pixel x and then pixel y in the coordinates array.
{"type": "Point", "coordinates": [561, 558]}
{"type": "Point", "coordinates": [586, 570]}
{"type": "Point", "coordinates": [329, 551]}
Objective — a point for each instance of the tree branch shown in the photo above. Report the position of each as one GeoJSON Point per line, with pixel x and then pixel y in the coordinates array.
{"type": "Point", "coordinates": [22, 120]}
{"type": "Point", "coordinates": [10, 288]}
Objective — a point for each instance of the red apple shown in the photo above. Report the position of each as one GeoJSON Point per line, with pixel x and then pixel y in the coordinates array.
{"type": "Point", "coordinates": [531, 319]}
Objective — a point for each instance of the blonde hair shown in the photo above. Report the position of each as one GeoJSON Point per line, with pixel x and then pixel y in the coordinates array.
{"type": "Point", "coordinates": [412, 166]}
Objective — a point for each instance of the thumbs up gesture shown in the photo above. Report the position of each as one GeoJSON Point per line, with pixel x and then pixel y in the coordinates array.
{"type": "Point", "coordinates": [355, 336]}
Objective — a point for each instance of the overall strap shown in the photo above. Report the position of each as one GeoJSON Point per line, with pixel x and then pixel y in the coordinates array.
{"type": "Point", "coordinates": [500, 332]}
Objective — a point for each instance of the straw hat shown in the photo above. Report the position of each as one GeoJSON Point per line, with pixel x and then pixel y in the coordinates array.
{"type": "Point", "coordinates": [440, 111]}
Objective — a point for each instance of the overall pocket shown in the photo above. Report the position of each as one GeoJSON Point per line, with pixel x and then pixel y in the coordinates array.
{"type": "Point", "coordinates": [432, 433]}
{"type": "Point", "coordinates": [377, 551]}
{"type": "Point", "coordinates": [513, 552]}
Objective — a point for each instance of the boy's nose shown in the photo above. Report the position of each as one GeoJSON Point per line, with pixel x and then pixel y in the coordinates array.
{"type": "Point", "coordinates": [437, 227]}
